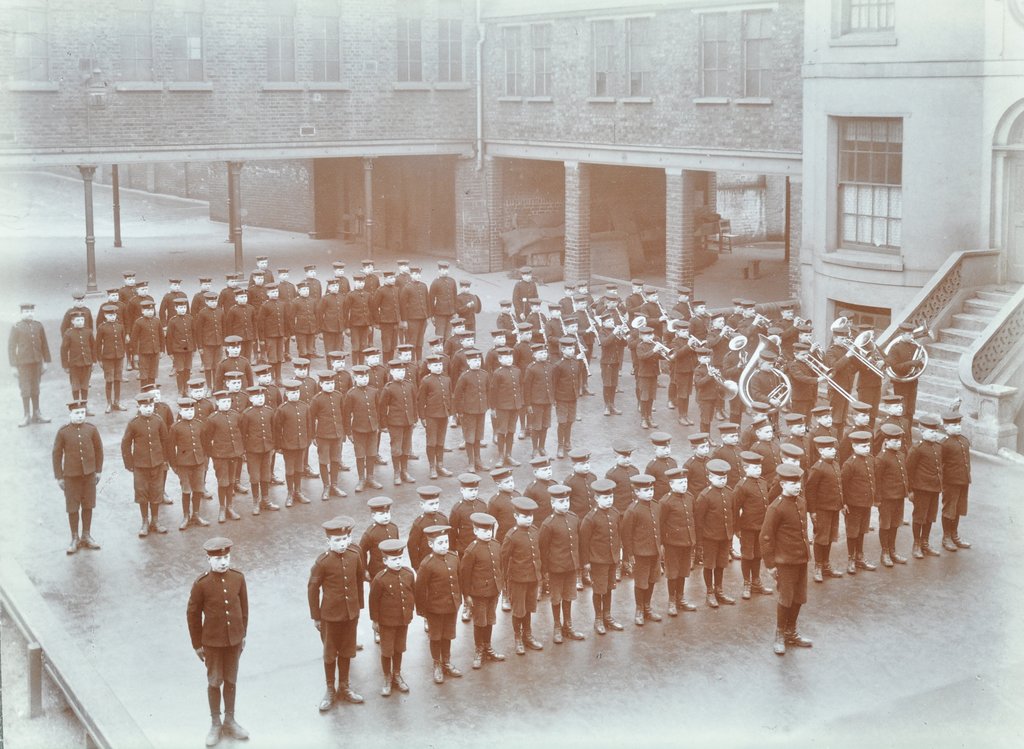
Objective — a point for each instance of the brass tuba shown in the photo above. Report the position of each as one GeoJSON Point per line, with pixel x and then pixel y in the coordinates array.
{"type": "Point", "coordinates": [780, 395]}
{"type": "Point", "coordinates": [919, 360]}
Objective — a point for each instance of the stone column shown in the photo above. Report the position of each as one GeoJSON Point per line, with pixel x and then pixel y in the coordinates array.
{"type": "Point", "coordinates": [478, 210]}
{"type": "Point", "coordinates": [235, 210]}
{"type": "Point", "coordinates": [795, 238]}
{"type": "Point", "coordinates": [115, 186]}
{"type": "Point", "coordinates": [368, 204]}
{"type": "Point", "coordinates": [577, 221]}
{"type": "Point", "coordinates": [88, 172]}
{"type": "Point", "coordinates": [680, 245]}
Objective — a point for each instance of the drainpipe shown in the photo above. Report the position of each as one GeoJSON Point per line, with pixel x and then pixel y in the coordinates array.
{"type": "Point", "coordinates": [481, 34]}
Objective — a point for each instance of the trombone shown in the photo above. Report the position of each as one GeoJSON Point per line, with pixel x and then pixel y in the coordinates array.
{"type": "Point", "coordinates": [582, 355]}
{"type": "Point", "coordinates": [860, 351]}
{"type": "Point", "coordinates": [823, 372]}
{"type": "Point", "coordinates": [727, 388]}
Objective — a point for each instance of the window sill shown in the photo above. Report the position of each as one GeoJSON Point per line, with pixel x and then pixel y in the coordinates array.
{"type": "Point", "coordinates": [42, 87]}
{"type": "Point", "coordinates": [864, 259]}
{"type": "Point", "coordinates": [282, 86]}
{"type": "Point", "coordinates": [539, 99]}
{"type": "Point", "coordinates": [510, 98]}
{"type": "Point", "coordinates": [876, 39]}
{"type": "Point", "coordinates": [601, 99]}
{"type": "Point", "coordinates": [754, 101]}
{"type": "Point", "coordinates": [190, 86]}
{"type": "Point", "coordinates": [711, 100]}
{"type": "Point", "coordinates": [410, 86]}
{"type": "Point", "coordinates": [328, 86]}
{"type": "Point", "coordinates": [451, 86]}
{"type": "Point", "coordinates": [140, 86]}
{"type": "Point", "coordinates": [637, 100]}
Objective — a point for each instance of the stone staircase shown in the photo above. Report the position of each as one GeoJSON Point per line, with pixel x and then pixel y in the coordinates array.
{"type": "Point", "coordinates": [939, 386]}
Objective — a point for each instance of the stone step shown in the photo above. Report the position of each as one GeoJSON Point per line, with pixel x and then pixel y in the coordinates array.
{"type": "Point", "coordinates": [994, 295]}
{"type": "Point", "coordinates": [945, 351]}
{"type": "Point", "coordinates": [976, 306]}
{"type": "Point", "coordinates": [975, 323]}
{"type": "Point", "coordinates": [949, 369]}
{"type": "Point", "coordinates": [958, 336]}
{"type": "Point", "coordinates": [938, 387]}
{"type": "Point", "coordinates": [927, 403]}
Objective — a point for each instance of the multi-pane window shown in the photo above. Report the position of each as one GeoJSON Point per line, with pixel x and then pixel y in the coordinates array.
{"type": "Point", "coordinates": [136, 23]}
{"type": "Point", "coordinates": [757, 48]}
{"type": "Point", "coordinates": [410, 42]}
{"type": "Point", "coordinates": [449, 41]}
{"type": "Point", "coordinates": [638, 55]}
{"type": "Point", "coordinates": [511, 37]}
{"type": "Point", "coordinates": [603, 53]}
{"type": "Point", "coordinates": [187, 46]}
{"type": "Point", "coordinates": [325, 45]}
{"type": "Point", "coordinates": [713, 54]}
{"type": "Point", "coordinates": [31, 43]}
{"type": "Point", "coordinates": [870, 181]}
{"type": "Point", "coordinates": [540, 60]}
{"type": "Point", "coordinates": [868, 15]}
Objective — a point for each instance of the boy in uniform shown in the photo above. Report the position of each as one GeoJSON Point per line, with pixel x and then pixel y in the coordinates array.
{"type": "Point", "coordinates": [560, 561]}
{"type": "Point", "coordinates": [662, 462]}
{"type": "Point", "coordinates": [434, 401]}
{"type": "Point", "coordinates": [893, 487]}
{"type": "Point", "coordinates": [437, 599]}
{"type": "Point", "coordinates": [143, 450]}
{"type": "Point", "coordinates": [750, 498]}
{"type": "Point", "coordinates": [328, 430]}
{"type": "Point", "coordinates": [186, 455]}
{"type": "Point", "coordinates": [824, 492]}
{"type": "Point", "coordinates": [505, 396]}
{"type": "Point", "coordinates": [600, 551]}
{"type": "Point", "coordinates": [335, 594]}
{"type": "Point", "coordinates": [77, 354]}
{"type": "Point", "coordinates": [77, 465]}
{"type": "Point", "coordinates": [256, 426]}
{"type": "Point", "coordinates": [110, 350]}
{"type": "Point", "coordinates": [480, 580]}
{"type": "Point", "coordinates": [956, 480]}
{"type": "Point", "coordinates": [924, 471]}
{"type": "Point", "coordinates": [180, 340]}
{"type": "Point", "coordinates": [430, 515]}
{"type": "Point", "coordinates": [539, 395]}
{"type": "Point", "coordinates": [713, 516]}
{"type": "Point", "coordinates": [860, 492]}
{"type": "Point", "coordinates": [222, 440]}
{"type": "Point", "coordinates": [641, 545]}
{"type": "Point", "coordinates": [521, 571]}
{"type": "Point", "coordinates": [292, 436]}
{"type": "Point", "coordinates": [396, 406]}
{"type": "Point", "coordinates": [362, 425]}
{"type": "Point", "coordinates": [392, 603]}
{"type": "Point", "coordinates": [678, 537]}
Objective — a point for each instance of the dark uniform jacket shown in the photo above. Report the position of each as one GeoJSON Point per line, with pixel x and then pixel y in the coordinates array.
{"type": "Point", "coordinates": [330, 312]}
{"type": "Point", "coordinates": [706, 386]}
{"type": "Point", "coordinates": [77, 348]}
{"type": "Point", "coordinates": [750, 501]}
{"type": "Point", "coordinates": [470, 395]}
{"type": "Point", "coordinates": [185, 444]}
{"type": "Point", "coordinates": [581, 496]}
{"type": "Point", "coordinates": [143, 444]}
{"type": "Point", "coordinates": [414, 301]}
{"type": "Point", "coordinates": [468, 306]}
{"type": "Point", "coordinates": [357, 309]}
{"type": "Point", "coordinates": [522, 293]}
{"type": "Point", "coordinates": [77, 451]}
{"type": "Point", "coordinates": [539, 492]}
{"type": "Point", "coordinates": [110, 341]}
{"type": "Point", "coordinates": [359, 410]}
{"type": "Point", "coordinates": [325, 416]}
{"type": "Point", "coordinates": [480, 569]}
{"type": "Point", "coordinates": [272, 320]}
{"type": "Point", "coordinates": [731, 455]}
{"type": "Point", "coordinates": [418, 546]}
{"type": "Point", "coordinates": [218, 610]}
{"type": "Point", "coordinates": [65, 323]}
{"type": "Point", "coordinates": [566, 377]}
{"type": "Point", "coordinates": [257, 429]}
{"type": "Point", "coordinates": [560, 543]}
{"type": "Point", "coordinates": [233, 364]}
{"type": "Point", "coordinates": [462, 526]}
{"type": "Point", "coordinates": [500, 507]}
{"type": "Point", "coordinates": [612, 347]}
{"type": "Point", "coordinates": [520, 555]}
{"type": "Point", "coordinates": [292, 427]}
{"type": "Point", "coordinates": [437, 584]}
{"type": "Point", "coordinates": [222, 435]}
{"type": "Point", "coordinates": [209, 327]}
{"type": "Point", "coordinates": [803, 380]}
{"type": "Point", "coordinates": [392, 597]}
{"type": "Point", "coordinates": [657, 468]}
{"type": "Point", "coordinates": [373, 557]}
{"type": "Point", "coordinates": [891, 475]}
{"type": "Point", "coordinates": [384, 305]}
{"type": "Point", "coordinates": [696, 474]}
{"type": "Point", "coordinates": [860, 483]}
{"type": "Point", "coordinates": [713, 514]}
{"type": "Point", "coordinates": [443, 291]}
{"type": "Point", "coordinates": [505, 389]}
{"type": "Point", "coordinates": [784, 532]}
{"type": "Point", "coordinates": [623, 488]}
{"type": "Point", "coordinates": [824, 487]}
{"type": "Point", "coordinates": [956, 461]}
{"type": "Point", "coordinates": [180, 336]}
{"type": "Point", "coordinates": [302, 315]}
{"type": "Point", "coordinates": [396, 404]}
{"type": "Point", "coordinates": [675, 515]}
{"type": "Point", "coordinates": [434, 397]}
{"type": "Point", "coordinates": [147, 336]}
{"type": "Point", "coordinates": [335, 588]}
{"type": "Point", "coordinates": [600, 541]}
{"type": "Point", "coordinates": [538, 384]}
{"type": "Point", "coordinates": [641, 530]}
{"type": "Point", "coordinates": [924, 467]}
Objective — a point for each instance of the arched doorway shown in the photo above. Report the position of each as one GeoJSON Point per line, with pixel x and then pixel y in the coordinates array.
{"type": "Point", "coordinates": [1008, 198]}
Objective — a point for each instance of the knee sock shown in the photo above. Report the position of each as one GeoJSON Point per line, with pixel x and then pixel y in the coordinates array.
{"type": "Point", "coordinates": [73, 523]}
{"type": "Point", "coordinates": [329, 667]}
{"type": "Point", "coordinates": [229, 698]}
{"type": "Point", "coordinates": [324, 479]}
{"type": "Point", "coordinates": [86, 522]}
{"type": "Point", "coordinates": [385, 665]}
{"type": "Point", "coordinates": [681, 589]}
{"type": "Point", "coordinates": [782, 617]}
{"type": "Point", "coordinates": [343, 668]}
{"type": "Point", "coordinates": [335, 469]}
{"type": "Point", "coordinates": [851, 546]}
{"type": "Point", "coordinates": [435, 649]}
{"type": "Point", "coordinates": [859, 550]}
{"type": "Point", "coordinates": [745, 568]}
{"type": "Point", "coordinates": [108, 389]}
{"type": "Point", "coordinates": [396, 663]}
{"type": "Point", "coordinates": [566, 612]}
{"type": "Point", "coordinates": [361, 466]}
{"type": "Point", "coordinates": [719, 573]}
{"type": "Point", "coordinates": [213, 697]}
{"type": "Point", "coordinates": [926, 531]}
{"type": "Point", "coordinates": [186, 502]}
{"type": "Point", "coordinates": [197, 502]}
{"type": "Point", "coordinates": [478, 636]}
{"type": "Point", "coordinates": [117, 391]}
{"type": "Point", "coordinates": [916, 527]}
{"type": "Point", "coordinates": [556, 613]}
{"type": "Point", "coordinates": [708, 583]}
{"type": "Point", "coordinates": [598, 605]}
{"type": "Point", "coordinates": [794, 612]}
{"type": "Point", "coordinates": [638, 596]}
{"type": "Point", "coordinates": [144, 511]}
{"type": "Point", "coordinates": [755, 570]}
{"type": "Point", "coordinates": [154, 513]}
{"type": "Point", "coordinates": [446, 651]}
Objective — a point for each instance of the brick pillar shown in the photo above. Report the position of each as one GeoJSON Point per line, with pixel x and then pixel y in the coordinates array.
{"type": "Point", "coordinates": [577, 221]}
{"type": "Point", "coordinates": [711, 191]}
{"type": "Point", "coordinates": [796, 217]}
{"type": "Point", "coordinates": [478, 199]}
{"type": "Point", "coordinates": [680, 246]}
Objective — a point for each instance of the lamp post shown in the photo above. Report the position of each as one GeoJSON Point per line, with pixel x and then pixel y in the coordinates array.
{"type": "Point", "coordinates": [95, 98]}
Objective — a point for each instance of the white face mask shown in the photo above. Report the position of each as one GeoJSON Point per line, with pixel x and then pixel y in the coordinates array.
{"type": "Point", "coordinates": [339, 544]}
{"type": "Point", "coordinates": [507, 485]}
{"type": "Point", "coordinates": [473, 363]}
{"type": "Point", "coordinates": [953, 429]}
{"type": "Point", "coordinates": [679, 486]}
{"type": "Point", "coordinates": [234, 386]}
{"type": "Point", "coordinates": [77, 416]}
{"type": "Point", "coordinates": [398, 374]}
{"type": "Point", "coordinates": [484, 534]}
{"type": "Point", "coordinates": [505, 361]}
{"type": "Point", "coordinates": [543, 473]}
{"type": "Point", "coordinates": [362, 380]}
{"type": "Point", "coordinates": [223, 404]}
{"type": "Point", "coordinates": [292, 395]}
{"type": "Point", "coordinates": [718, 481]}
{"type": "Point", "coordinates": [828, 453]}
{"type": "Point", "coordinates": [862, 448]}
{"type": "Point", "coordinates": [583, 467]}
{"type": "Point", "coordinates": [381, 518]}
{"type": "Point", "coordinates": [893, 444]}
{"type": "Point", "coordinates": [731, 438]}
{"type": "Point", "coordinates": [790, 488]}
{"type": "Point", "coordinates": [78, 322]}
{"type": "Point", "coordinates": [146, 409]}
{"type": "Point", "coordinates": [393, 562]}
{"type": "Point", "coordinates": [435, 368]}
{"type": "Point", "coordinates": [663, 451]}
{"type": "Point", "coordinates": [187, 414]}
{"type": "Point", "coordinates": [304, 291]}
{"type": "Point", "coordinates": [752, 471]}
{"type": "Point", "coordinates": [327, 386]}
{"type": "Point", "coordinates": [257, 400]}
{"type": "Point", "coordinates": [220, 564]}
{"type": "Point", "coordinates": [604, 501]}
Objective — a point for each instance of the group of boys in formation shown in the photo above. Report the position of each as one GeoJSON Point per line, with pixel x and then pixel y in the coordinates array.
{"type": "Point", "coordinates": [795, 459]}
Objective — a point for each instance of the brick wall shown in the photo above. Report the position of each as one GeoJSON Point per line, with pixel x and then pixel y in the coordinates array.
{"type": "Point", "coordinates": [796, 217]}
{"type": "Point", "coordinates": [277, 194]}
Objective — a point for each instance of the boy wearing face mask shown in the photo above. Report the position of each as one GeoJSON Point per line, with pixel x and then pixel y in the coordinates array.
{"type": "Point", "coordinates": [187, 457]}
{"type": "Point", "coordinates": [328, 430]}
{"type": "Point", "coordinates": [397, 407]}
{"type": "Point", "coordinates": [766, 445]}
{"type": "Point", "coordinates": [272, 328]}
{"type": "Point", "coordinates": [233, 361]}
{"type": "Point", "coordinates": [335, 594]}
{"type": "Point", "coordinates": [391, 604]}
{"type": "Point", "coordinates": [209, 334]}
{"type": "Point", "coordinates": [751, 500]}
{"type": "Point", "coordinates": [730, 450]}
{"type": "Point", "coordinates": [218, 619]}
{"type": "Point", "coordinates": [924, 471]}
{"type": "Point", "coordinates": [303, 320]}
{"type": "Point", "coordinates": [824, 492]}
{"type": "Point", "coordinates": [110, 350]}
{"type": "Point", "coordinates": [437, 599]}
{"type": "Point", "coordinates": [292, 436]}
{"type": "Point", "coordinates": [714, 518]}
{"type": "Point", "coordinates": [414, 305]}
{"type": "Point", "coordinates": [430, 514]}
{"type": "Point", "coordinates": [77, 465]}
{"type": "Point", "coordinates": [860, 413]}
{"type": "Point", "coordinates": [330, 312]}
{"type": "Point", "coordinates": [505, 398]}
{"type": "Point", "coordinates": [678, 537]}
{"type": "Point", "coordinates": [560, 561]}
{"type": "Point", "coordinates": [434, 401]}
{"type": "Point", "coordinates": [469, 401]}
{"type": "Point", "coordinates": [822, 423]}
{"type": "Point", "coordinates": [893, 487]}
{"type": "Point", "coordinates": [257, 430]}
{"type": "Point", "coordinates": [662, 462]}
{"type": "Point", "coordinates": [147, 342]}
{"type": "Point", "coordinates": [143, 450]}
{"type": "Point", "coordinates": [705, 388]}
{"type": "Point", "coordinates": [891, 409]}
{"type": "Point", "coordinates": [956, 480]}
{"type": "Point", "coordinates": [362, 425]}
{"type": "Point", "coordinates": [581, 495]}
{"type": "Point", "coordinates": [784, 542]}
{"type": "Point", "coordinates": [181, 341]}
{"type": "Point", "coordinates": [480, 580]}
{"type": "Point", "coordinates": [222, 440]}
{"type": "Point", "coordinates": [860, 492]}
{"type": "Point", "coordinates": [358, 317]}
{"type": "Point", "coordinates": [600, 552]}
{"type": "Point", "coordinates": [521, 572]}
{"type": "Point", "coordinates": [539, 395]}
{"type": "Point", "coordinates": [77, 354]}
{"type": "Point", "coordinates": [641, 546]}
{"type": "Point", "coordinates": [385, 309]}
{"type": "Point", "coordinates": [382, 529]}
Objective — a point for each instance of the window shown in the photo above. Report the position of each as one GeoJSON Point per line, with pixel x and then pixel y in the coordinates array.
{"type": "Point", "coordinates": [281, 46]}
{"type": "Point", "coordinates": [410, 42]}
{"type": "Point", "coordinates": [878, 318]}
{"type": "Point", "coordinates": [449, 41]}
{"type": "Point", "coordinates": [325, 46]}
{"type": "Point", "coordinates": [757, 49]}
{"type": "Point", "coordinates": [713, 54]}
{"type": "Point", "coordinates": [187, 45]}
{"type": "Point", "coordinates": [136, 42]}
{"type": "Point", "coordinates": [638, 55]}
{"type": "Point", "coordinates": [861, 16]}
{"type": "Point", "coordinates": [603, 34]}
{"type": "Point", "coordinates": [540, 43]}
{"type": "Point", "coordinates": [31, 43]}
{"type": "Point", "coordinates": [870, 182]}
{"type": "Point", "coordinates": [510, 39]}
